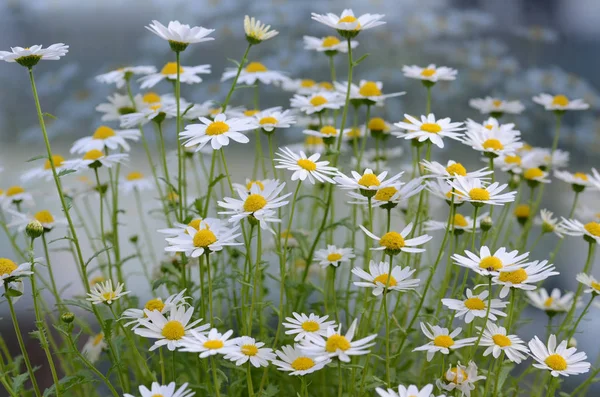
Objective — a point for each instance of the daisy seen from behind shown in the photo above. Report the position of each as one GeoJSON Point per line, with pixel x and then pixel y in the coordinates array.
{"type": "Point", "coordinates": [180, 35]}
{"type": "Point", "coordinates": [30, 56]}
{"type": "Point", "coordinates": [187, 75]}
{"type": "Point", "coordinates": [106, 138]}
{"type": "Point", "coordinates": [118, 76]}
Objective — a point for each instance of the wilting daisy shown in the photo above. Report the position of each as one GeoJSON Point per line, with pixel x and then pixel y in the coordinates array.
{"type": "Point", "coordinates": [461, 378]}
{"type": "Point", "coordinates": [442, 340]}
{"type": "Point", "coordinates": [524, 278]}
{"type": "Point", "coordinates": [553, 303]}
{"type": "Point", "coordinates": [302, 325]}
{"type": "Point", "coordinates": [559, 360]}
{"type": "Point", "coordinates": [337, 345]}
{"type": "Point", "coordinates": [208, 344]}
{"type": "Point", "coordinates": [136, 181]}
{"type": "Point", "coordinates": [271, 119]}
{"type": "Point", "coordinates": [118, 76]}
{"type": "Point", "coordinates": [369, 92]}
{"type": "Point", "coordinates": [590, 282]}
{"type": "Point", "coordinates": [368, 183]}
{"type": "Point", "coordinates": [246, 349]}
{"type": "Point", "coordinates": [105, 293]}
{"type": "Point", "coordinates": [488, 264]}
{"type": "Point", "coordinates": [328, 44]}
{"type": "Point", "coordinates": [549, 223]}
{"type": "Point", "coordinates": [410, 391]}
{"type": "Point", "coordinates": [304, 166]}
{"type": "Point", "coordinates": [497, 341]}
{"type": "Point", "coordinates": [210, 236]}
{"type": "Point", "coordinates": [476, 306]}
{"type": "Point", "coordinates": [495, 106]}
{"type": "Point", "coordinates": [133, 314]}
{"type": "Point", "coordinates": [218, 132]}
{"type": "Point", "coordinates": [296, 361]}
{"type": "Point", "coordinates": [170, 390]}
{"type": "Point", "coordinates": [257, 31]}
{"type": "Point", "coordinates": [45, 171]}
{"type": "Point", "coordinates": [119, 105]}
{"type": "Point", "coordinates": [347, 24]}
{"type": "Point", "coordinates": [253, 72]}
{"type": "Point", "coordinates": [453, 169]}
{"type": "Point", "coordinates": [333, 256]}
{"type": "Point", "coordinates": [590, 231]}
{"type": "Point", "coordinates": [169, 331]}
{"type": "Point", "coordinates": [559, 102]}
{"type": "Point", "coordinates": [473, 191]}
{"type": "Point", "coordinates": [393, 242]}
{"type": "Point", "coordinates": [45, 217]}
{"type": "Point", "coordinates": [30, 56]}
{"type": "Point", "coordinates": [379, 279]}
{"type": "Point", "coordinates": [428, 128]}
{"type": "Point", "coordinates": [10, 270]}
{"type": "Point", "coordinates": [180, 35]}
{"type": "Point", "coordinates": [579, 180]}
{"type": "Point", "coordinates": [105, 138]}
{"type": "Point", "coordinates": [94, 159]}
{"type": "Point", "coordinates": [187, 74]}
{"type": "Point", "coordinates": [431, 73]}
{"type": "Point", "coordinates": [316, 102]}
{"type": "Point", "coordinates": [94, 347]}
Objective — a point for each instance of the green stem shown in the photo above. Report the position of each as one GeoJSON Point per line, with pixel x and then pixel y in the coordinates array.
{"type": "Point", "coordinates": [487, 315]}
{"type": "Point", "coordinates": [249, 380]}
{"type": "Point", "coordinates": [239, 70]}
{"type": "Point", "coordinates": [585, 309]}
{"type": "Point", "coordinates": [215, 377]}
{"type": "Point", "coordinates": [210, 295]}
{"type": "Point", "coordinates": [256, 276]}
{"type": "Point", "coordinates": [180, 162]}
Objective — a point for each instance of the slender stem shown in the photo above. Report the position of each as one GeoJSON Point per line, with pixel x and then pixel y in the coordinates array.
{"type": "Point", "coordinates": [239, 70]}
{"type": "Point", "coordinates": [102, 230]}
{"type": "Point", "coordinates": [256, 277]}
{"type": "Point", "coordinates": [210, 180]}
{"type": "Point", "coordinates": [51, 273]}
{"type": "Point", "coordinates": [387, 324]}
{"type": "Point", "coordinates": [210, 295]}
{"type": "Point", "coordinates": [585, 309]}
{"type": "Point", "coordinates": [473, 234]}
{"type": "Point", "coordinates": [213, 362]}
{"type": "Point", "coordinates": [340, 378]}
{"type": "Point", "coordinates": [161, 362]}
{"type": "Point", "coordinates": [428, 105]}
{"type": "Point", "coordinates": [249, 379]}
{"type": "Point", "coordinates": [487, 315]}
{"type": "Point", "coordinates": [180, 160]}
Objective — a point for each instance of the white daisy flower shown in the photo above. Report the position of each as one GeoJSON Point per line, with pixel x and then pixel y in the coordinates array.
{"type": "Point", "coordinates": [410, 391]}
{"type": "Point", "coordinates": [208, 344]}
{"type": "Point", "coordinates": [246, 349]}
{"type": "Point", "coordinates": [487, 264]}
{"type": "Point", "coordinates": [105, 293]}
{"type": "Point", "coordinates": [453, 169]}
{"type": "Point", "coordinates": [579, 180]}
{"type": "Point", "coordinates": [271, 119]}
{"type": "Point", "coordinates": [10, 270]}
{"type": "Point", "coordinates": [497, 341]}
{"type": "Point", "coordinates": [169, 331]}
{"type": "Point", "coordinates": [316, 102]}
{"type": "Point", "coordinates": [333, 256]}
{"type": "Point", "coordinates": [135, 180]}
{"type": "Point", "coordinates": [337, 345]}
{"type": "Point", "coordinates": [257, 31]}
{"type": "Point", "coordinates": [549, 223]}
{"type": "Point", "coordinates": [218, 132]}
{"type": "Point", "coordinates": [590, 231]}
{"type": "Point", "coordinates": [347, 24]}
{"type": "Point", "coordinates": [93, 347]}
{"type": "Point", "coordinates": [379, 279]}
{"type": "Point", "coordinates": [118, 76]}
{"type": "Point", "coordinates": [430, 73]}
{"type": "Point", "coordinates": [461, 378]}
{"type": "Point", "coordinates": [369, 92]}
{"type": "Point", "coordinates": [559, 360]}
{"type": "Point", "coordinates": [210, 236]}
{"type": "Point", "coordinates": [296, 361]}
{"type": "Point", "coordinates": [94, 159]}
{"type": "Point", "coordinates": [304, 166]}
{"type": "Point", "coordinates": [302, 325]}
{"type": "Point", "coordinates": [45, 217]}
{"type": "Point", "coordinates": [368, 183]}
{"type": "Point", "coordinates": [328, 133]}
{"type": "Point", "coordinates": [133, 315]}
{"type": "Point", "coordinates": [430, 129]}
{"type": "Point", "coordinates": [187, 74]}
{"type": "Point", "coordinates": [495, 106]}
{"type": "Point", "coordinates": [304, 86]}
{"type": "Point", "coordinates": [476, 306]}
{"type": "Point", "coordinates": [535, 175]}
{"type": "Point", "coordinates": [328, 44]}
{"type": "Point", "coordinates": [156, 389]}
{"type": "Point", "coordinates": [105, 138]}
{"type": "Point", "coordinates": [392, 195]}
{"type": "Point", "coordinates": [555, 302]}
{"type": "Point", "coordinates": [393, 242]}
{"type": "Point", "coordinates": [30, 56]}
{"type": "Point", "coordinates": [45, 171]}
{"type": "Point", "coordinates": [17, 195]}
{"type": "Point", "coordinates": [461, 223]}
{"type": "Point", "coordinates": [180, 35]}
{"type": "Point", "coordinates": [153, 105]}
{"type": "Point", "coordinates": [119, 105]}
{"type": "Point", "coordinates": [509, 163]}
{"type": "Point", "coordinates": [524, 278]}
{"type": "Point", "coordinates": [253, 72]}
{"type": "Point", "coordinates": [442, 340]}
{"type": "Point", "coordinates": [595, 178]}
{"type": "Point", "coordinates": [473, 191]}
{"type": "Point", "coordinates": [493, 141]}
{"type": "Point", "coordinates": [559, 102]}
{"type": "Point", "coordinates": [442, 189]}
{"type": "Point", "coordinates": [590, 282]}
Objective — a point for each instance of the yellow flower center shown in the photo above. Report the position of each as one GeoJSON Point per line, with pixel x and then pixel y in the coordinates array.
{"type": "Point", "coordinates": [512, 160]}
{"type": "Point", "coordinates": [479, 194]}
{"type": "Point", "coordinates": [334, 257]}
{"type": "Point", "coordinates": [556, 362]}
{"type": "Point", "coordinates": [247, 113]}
{"type": "Point", "coordinates": [491, 262]}
{"type": "Point", "coordinates": [383, 279]}
{"type": "Point", "coordinates": [313, 140]}
{"type": "Point", "coordinates": [369, 88]}
{"type": "Point", "coordinates": [255, 67]}
{"type": "Point", "coordinates": [57, 159]}
{"type": "Point", "coordinates": [443, 341]}
{"type": "Point", "coordinates": [560, 100]}
{"type": "Point", "coordinates": [432, 128]}
{"type": "Point", "coordinates": [489, 126]}
{"type": "Point", "coordinates": [310, 326]}
{"type": "Point", "coordinates": [303, 363]}
{"type": "Point", "coordinates": [580, 175]}
{"type": "Point", "coordinates": [213, 344]}
{"type": "Point", "coordinates": [103, 132]}
{"type": "Point", "coordinates": [328, 130]}
{"type": "Point", "coordinates": [595, 285]}
{"type": "Point", "coordinates": [392, 240]}
{"type": "Point", "coordinates": [203, 238]}
{"type": "Point", "coordinates": [522, 211]}
{"type": "Point", "coordinates": [548, 302]}
{"type": "Point", "coordinates": [307, 164]}
{"type": "Point", "coordinates": [335, 342]}
{"type": "Point", "coordinates": [533, 173]}
{"type": "Point", "coordinates": [330, 41]}
{"type": "Point", "coordinates": [109, 296]}
{"type": "Point", "coordinates": [154, 304]}
{"type": "Point", "coordinates": [457, 377]}
{"type": "Point", "coordinates": [497, 102]}
{"type": "Point", "coordinates": [96, 280]}
{"type": "Point", "coordinates": [427, 72]}
{"type": "Point", "coordinates": [456, 169]}
{"type": "Point", "coordinates": [268, 120]}
{"type": "Point", "coordinates": [170, 68]}
{"type": "Point", "coordinates": [307, 83]}
{"type": "Point", "coordinates": [493, 144]}
{"type": "Point", "coordinates": [257, 183]}
{"type": "Point", "coordinates": [514, 277]}
{"type": "Point", "coordinates": [44, 216]}
{"type": "Point", "coordinates": [97, 339]}
{"type": "Point", "coordinates": [93, 154]}
{"type": "Point", "coordinates": [217, 128]}
{"type": "Point", "coordinates": [7, 266]}
{"type": "Point", "coordinates": [385, 193]}
{"type": "Point", "coordinates": [151, 97]}
{"type": "Point", "coordinates": [377, 124]}
{"type": "Point", "coordinates": [326, 85]}
{"type": "Point", "coordinates": [134, 176]}
{"type": "Point", "coordinates": [501, 340]}
{"type": "Point", "coordinates": [157, 395]}
{"type": "Point", "coordinates": [195, 223]}
{"type": "Point", "coordinates": [474, 304]}
{"type": "Point", "coordinates": [460, 220]}
{"type": "Point", "coordinates": [350, 19]}
{"type": "Point", "coordinates": [593, 228]}
{"type": "Point", "coordinates": [14, 190]}
{"type": "Point", "coordinates": [254, 202]}
{"type": "Point", "coordinates": [173, 330]}
{"type": "Point", "coordinates": [249, 350]}
{"type": "Point", "coordinates": [369, 180]}
{"type": "Point", "coordinates": [318, 100]}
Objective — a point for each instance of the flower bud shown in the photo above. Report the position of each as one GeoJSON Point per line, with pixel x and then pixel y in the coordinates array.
{"type": "Point", "coordinates": [67, 317]}
{"type": "Point", "coordinates": [572, 343]}
{"type": "Point", "coordinates": [486, 223]}
{"type": "Point", "coordinates": [522, 212]}
{"type": "Point", "coordinates": [34, 229]}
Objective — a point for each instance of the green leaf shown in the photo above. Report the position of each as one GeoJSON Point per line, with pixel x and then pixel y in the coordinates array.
{"type": "Point", "coordinates": [18, 382]}
{"type": "Point", "coordinates": [65, 172]}
{"type": "Point", "coordinates": [216, 180]}
{"type": "Point", "coordinates": [49, 115]}
{"type": "Point", "coordinates": [95, 255]}
{"type": "Point", "coordinates": [359, 60]}
{"type": "Point", "coordinates": [36, 158]}
{"type": "Point", "coordinates": [13, 293]}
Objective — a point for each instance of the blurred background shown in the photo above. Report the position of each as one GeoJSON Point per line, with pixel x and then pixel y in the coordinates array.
{"type": "Point", "coordinates": [512, 49]}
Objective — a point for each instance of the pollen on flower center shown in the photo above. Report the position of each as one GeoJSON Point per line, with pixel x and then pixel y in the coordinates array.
{"type": "Point", "coordinates": [514, 277]}
{"type": "Point", "coordinates": [593, 228]}
{"type": "Point", "coordinates": [493, 144]}
{"type": "Point", "coordinates": [7, 266]}
{"type": "Point", "coordinates": [217, 128]}
{"type": "Point", "coordinates": [14, 190]}
{"type": "Point", "coordinates": [173, 330]}
{"type": "Point", "coordinates": [474, 304]}
{"type": "Point", "coordinates": [307, 164]}
{"type": "Point", "coordinates": [427, 72]}
{"type": "Point", "coordinates": [310, 326]}
{"type": "Point", "coordinates": [326, 85]}
{"type": "Point", "coordinates": [501, 340]}
{"type": "Point", "coordinates": [560, 100]}
{"type": "Point", "coordinates": [213, 344]}
{"type": "Point", "coordinates": [533, 173]}
{"type": "Point", "coordinates": [171, 68]}
{"type": "Point", "coordinates": [443, 341]}
{"type": "Point", "coordinates": [334, 257]}
{"type": "Point", "coordinates": [392, 240]}
{"type": "Point", "coordinates": [369, 88]}
{"type": "Point", "coordinates": [154, 304]}
{"type": "Point", "coordinates": [151, 97]}
{"type": "Point", "coordinates": [368, 180]}
{"type": "Point", "coordinates": [330, 41]}
{"type": "Point", "coordinates": [195, 223]}
{"type": "Point", "coordinates": [58, 160]}
{"type": "Point", "coordinates": [580, 175]}
{"type": "Point", "coordinates": [93, 154]}
{"type": "Point", "coordinates": [548, 302]}
{"type": "Point", "coordinates": [307, 83]}
{"type": "Point", "coordinates": [268, 120]}
{"type": "Point", "coordinates": [109, 295]}
{"type": "Point", "coordinates": [497, 102]}
{"type": "Point", "coordinates": [432, 128]}
{"type": "Point", "coordinates": [350, 19]}
{"type": "Point", "coordinates": [337, 342]}
{"type": "Point", "coordinates": [522, 211]}
{"type": "Point", "coordinates": [134, 176]}
{"type": "Point", "coordinates": [460, 221]}
{"type": "Point", "coordinates": [383, 279]}
{"type": "Point", "coordinates": [303, 363]}
{"type": "Point", "coordinates": [479, 194]}
{"type": "Point", "coordinates": [385, 193]}
{"type": "Point", "coordinates": [44, 216]}
{"type": "Point", "coordinates": [377, 124]}
{"type": "Point", "coordinates": [318, 100]}
{"type": "Point", "coordinates": [456, 169]}
{"type": "Point", "coordinates": [256, 67]}
{"type": "Point", "coordinates": [595, 285]}
{"type": "Point", "coordinates": [512, 160]}
{"type": "Point", "coordinates": [203, 238]}
{"type": "Point", "coordinates": [556, 362]}
{"type": "Point", "coordinates": [103, 132]}
{"type": "Point", "coordinates": [249, 350]}
{"type": "Point", "coordinates": [254, 202]}
{"type": "Point", "coordinates": [328, 130]}
{"type": "Point", "coordinates": [491, 262]}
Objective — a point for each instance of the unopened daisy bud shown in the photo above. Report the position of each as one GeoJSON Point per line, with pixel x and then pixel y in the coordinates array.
{"type": "Point", "coordinates": [134, 239]}
{"type": "Point", "coordinates": [486, 223]}
{"type": "Point", "coordinates": [514, 181]}
{"type": "Point", "coordinates": [34, 229]}
{"type": "Point", "coordinates": [67, 317]}
{"type": "Point", "coordinates": [572, 343]}
{"type": "Point", "coordinates": [522, 212]}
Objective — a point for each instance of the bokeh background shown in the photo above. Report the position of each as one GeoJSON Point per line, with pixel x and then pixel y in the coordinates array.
{"type": "Point", "coordinates": [510, 48]}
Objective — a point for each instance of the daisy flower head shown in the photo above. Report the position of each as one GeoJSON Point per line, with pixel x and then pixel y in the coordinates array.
{"type": "Point", "coordinates": [246, 349]}
{"type": "Point", "coordinates": [119, 105]}
{"type": "Point", "coordinates": [392, 243]}
{"type": "Point", "coordinates": [10, 271]}
{"type": "Point", "coordinates": [210, 236]}
{"type": "Point", "coordinates": [333, 256]}
{"type": "Point", "coordinates": [45, 171]}
{"type": "Point", "coordinates": [474, 191]}
{"type": "Point", "coordinates": [16, 195]}
{"type": "Point", "coordinates": [368, 183]}
{"type": "Point", "coordinates": [461, 378]}
{"type": "Point", "coordinates": [559, 360]}
{"type": "Point", "coordinates": [509, 163]}
{"type": "Point", "coordinates": [256, 31]}
{"type": "Point", "coordinates": [590, 282]}
{"type": "Point", "coordinates": [461, 223]}
{"type": "Point", "coordinates": [253, 72]}
{"type": "Point", "coordinates": [270, 119]}
{"type": "Point", "coordinates": [388, 197]}
{"type": "Point", "coordinates": [590, 231]}
{"type": "Point", "coordinates": [330, 45]}
{"type": "Point", "coordinates": [347, 25]}
{"type": "Point", "coordinates": [488, 264]}
{"type": "Point", "coordinates": [95, 159]}
{"type": "Point", "coordinates": [496, 107]}
{"type": "Point", "coordinates": [106, 138]}
{"type": "Point", "coordinates": [134, 314]}
{"type": "Point", "coordinates": [578, 180]}
{"type": "Point", "coordinates": [30, 56]}
{"type": "Point", "coordinates": [304, 166]}
{"type": "Point", "coordinates": [93, 347]}
{"type": "Point", "coordinates": [298, 362]}
{"type": "Point", "coordinates": [336, 344]}
{"type": "Point", "coordinates": [442, 340]}
{"type": "Point", "coordinates": [410, 391]}
{"type": "Point", "coordinates": [452, 169]}
{"type": "Point", "coordinates": [119, 76]}
{"type": "Point", "coordinates": [475, 306]}
{"type": "Point", "coordinates": [496, 340]}
{"type": "Point", "coordinates": [187, 74]}
{"type": "Point", "coordinates": [534, 176]}
{"type": "Point", "coordinates": [549, 223]}
{"type": "Point", "coordinates": [218, 132]}
{"type": "Point", "coordinates": [430, 74]}
{"type": "Point", "coordinates": [105, 293]}
{"type": "Point", "coordinates": [302, 325]}
{"type": "Point", "coordinates": [180, 35]}
{"type": "Point", "coordinates": [440, 188]}
{"type": "Point", "coordinates": [153, 107]}
{"type": "Point", "coordinates": [378, 278]}
{"type": "Point", "coordinates": [524, 278]}
{"type": "Point", "coordinates": [379, 128]}
{"type": "Point", "coordinates": [170, 390]}
{"type": "Point", "coordinates": [430, 129]}
{"type": "Point", "coordinates": [316, 102]}
{"type": "Point", "coordinates": [493, 141]}
{"type": "Point", "coordinates": [552, 303]}
{"type": "Point", "coordinates": [45, 217]}
{"type": "Point", "coordinates": [559, 103]}
{"type": "Point", "coordinates": [366, 92]}
{"type": "Point", "coordinates": [328, 133]}
{"type": "Point", "coordinates": [136, 181]}
{"type": "Point", "coordinates": [250, 182]}
{"type": "Point", "coordinates": [208, 344]}
{"type": "Point", "coordinates": [170, 331]}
